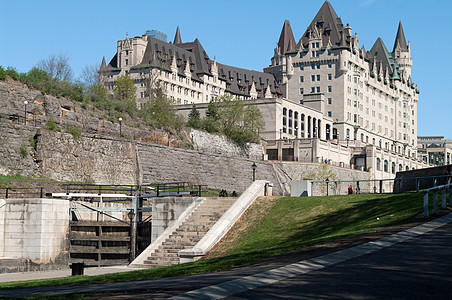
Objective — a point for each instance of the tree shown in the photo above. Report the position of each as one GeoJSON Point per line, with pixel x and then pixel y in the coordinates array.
{"type": "Point", "coordinates": [57, 66]}
{"type": "Point", "coordinates": [234, 118]}
{"type": "Point", "coordinates": [90, 75]}
{"type": "Point", "coordinates": [162, 113]}
{"type": "Point", "coordinates": [125, 90]}
{"type": "Point", "coordinates": [194, 118]}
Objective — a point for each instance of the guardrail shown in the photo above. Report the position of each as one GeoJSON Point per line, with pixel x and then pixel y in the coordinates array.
{"type": "Point", "coordinates": [435, 190]}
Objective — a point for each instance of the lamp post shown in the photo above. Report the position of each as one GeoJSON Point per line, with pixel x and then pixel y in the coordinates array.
{"type": "Point", "coordinates": [120, 127]}
{"type": "Point", "coordinates": [327, 181]}
{"type": "Point", "coordinates": [25, 115]}
{"type": "Point", "coordinates": [254, 171]}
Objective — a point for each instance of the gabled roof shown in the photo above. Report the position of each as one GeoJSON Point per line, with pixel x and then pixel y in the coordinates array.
{"type": "Point", "coordinates": [327, 23]}
{"type": "Point", "coordinates": [400, 40]}
{"type": "Point", "coordinates": [286, 40]}
{"type": "Point", "coordinates": [113, 62]}
{"type": "Point", "coordinates": [380, 54]}
{"type": "Point", "coordinates": [200, 55]}
{"type": "Point", "coordinates": [177, 38]}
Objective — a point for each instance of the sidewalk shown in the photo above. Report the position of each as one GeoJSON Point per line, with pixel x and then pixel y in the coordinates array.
{"type": "Point", "coordinates": [6, 277]}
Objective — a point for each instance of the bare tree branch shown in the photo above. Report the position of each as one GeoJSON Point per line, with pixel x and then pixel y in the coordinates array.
{"type": "Point", "coordinates": [57, 66]}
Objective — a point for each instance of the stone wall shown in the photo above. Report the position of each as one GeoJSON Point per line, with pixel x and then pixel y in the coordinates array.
{"type": "Point", "coordinates": [36, 229]}
{"type": "Point", "coordinates": [214, 143]}
{"type": "Point", "coordinates": [409, 184]}
{"type": "Point", "coordinates": [93, 159]}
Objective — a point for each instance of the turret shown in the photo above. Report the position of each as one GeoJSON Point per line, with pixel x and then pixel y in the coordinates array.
{"type": "Point", "coordinates": [401, 52]}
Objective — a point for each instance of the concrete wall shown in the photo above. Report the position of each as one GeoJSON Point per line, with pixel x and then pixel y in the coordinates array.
{"type": "Point", "coordinates": [36, 229]}
{"type": "Point", "coordinates": [410, 185]}
{"type": "Point", "coordinates": [165, 211]}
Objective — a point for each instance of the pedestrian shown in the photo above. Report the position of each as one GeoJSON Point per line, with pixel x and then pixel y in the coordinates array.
{"type": "Point", "coordinates": [350, 190]}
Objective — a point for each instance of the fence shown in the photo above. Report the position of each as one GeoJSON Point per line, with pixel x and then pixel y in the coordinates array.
{"type": "Point", "coordinates": [151, 190]}
{"type": "Point", "coordinates": [435, 190]}
{"type": "Point", "coordinates": [380, 186]}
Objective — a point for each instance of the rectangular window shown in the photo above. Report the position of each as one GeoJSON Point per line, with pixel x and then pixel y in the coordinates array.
{"type": "Point", "coordinates": [330, 76]}
{"type": "Point", "coordinates": [301, 101]}
{"type": "Point", "coordinates": [301, 79]}
{"type": "Point", "coordinates": [301, 91]}
{"type": "Point", "coordinates": [330, 89]}
{"type": "Point", "coordinates": [329, 114]}
{"type": "Point", "coordinates": [313, 45]}
{"type": "Point", "coordinates": [312, 89]}
{"type": "Point", "coordinates": [127, 62]}
{"type": "Point", "coordinates": [317, 45]}
{"type": "Point", "coordinates": [313, 66]}
{"type": "Point", "coordinates": [330, 101]}
{"type": "Point", "coordinates": [318, 66]}
{"type": "Point", "coordinates": [329, 52]}
{"type": "Point", "coordinates": [318, 77]}
{"type": "Point", "coordinates": [312, 77]}
{"type": "Point", "coordinates": [313, 54]}
{"type": "Point", "coordinates": [301, 67]}
{"type": "Point", "coordinates": [317, 53]}
{"type": "Point", "coordinates": [301, 54]}
{"type": "Point", "coordinates": [318, 89]}
{"type": "Point", "coordinates": [329, 65]}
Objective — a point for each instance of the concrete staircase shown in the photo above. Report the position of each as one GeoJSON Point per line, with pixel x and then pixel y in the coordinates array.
{"type": "Point", "coordinates": [189, 232]}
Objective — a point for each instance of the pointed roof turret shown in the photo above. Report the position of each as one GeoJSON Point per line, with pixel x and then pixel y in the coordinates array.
{"type": "Point", "coordinates": [177, 38]}
{"type": "Point", "coordinates": [328, 24]}
{"type": "Point", "coordinates": [103, 65]}
{"type": "Point", "coordinates": [286, 41]}
{"type": "Point", "coordinates": [400, 41]}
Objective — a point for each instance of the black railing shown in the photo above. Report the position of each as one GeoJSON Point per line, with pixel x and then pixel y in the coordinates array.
{"type": "Point", "coordinates": [151, 190]}
{"type": "Point", "coordinates": [12, 192]}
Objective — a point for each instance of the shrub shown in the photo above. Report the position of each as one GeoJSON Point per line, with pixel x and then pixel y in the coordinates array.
{"type": "Point", "coordinates": [51, 125]}
{"type": "Point", "coordinates": [23, 151]}
{"type": "Point", "coordinates": [76, 132]}
{"type": "Point", "coordinates": [3, 74]}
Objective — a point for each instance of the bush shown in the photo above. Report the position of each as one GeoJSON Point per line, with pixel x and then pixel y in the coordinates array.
{"type": "Point", "coordinates": [76, 132]}
{"type": "Point", "coordinates": [51, 125]}
{"type": "Point", "coordinates": [3, 74]}
{"type": "Point", "coordinates": [23, 151]}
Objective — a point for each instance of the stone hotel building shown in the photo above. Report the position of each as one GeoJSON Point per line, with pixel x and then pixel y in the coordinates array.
{"type": "Point", "coordinates": [324, 98]}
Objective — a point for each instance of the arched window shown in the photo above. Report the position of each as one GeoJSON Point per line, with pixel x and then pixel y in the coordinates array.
{"type": "Point", "coordinates": [400, 168]}
{"type": "Point", "coordinates": [290, 121]}
{"type": "Point", "coordinates": [393, 168]}
{"type": "Point", "coordinates": [378, 164]}
{"type": "Point", "coordinates": [295, 123]}
{"type": "Point", "coordinates": [385, 166]}
{"type": "Point", "coordinates": [407, 168]}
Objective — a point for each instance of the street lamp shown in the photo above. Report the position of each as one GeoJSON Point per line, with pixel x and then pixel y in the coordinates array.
{"type": "Point", "coordinates": [120, 127]}
{"type": "Point", "coordinates": [327, 181]}
{"type": "Point", "coordinates": [25, 115]}
{"type": "Point", "coordinates": [254, 171]}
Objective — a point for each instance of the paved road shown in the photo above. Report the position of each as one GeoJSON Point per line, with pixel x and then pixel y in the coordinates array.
{"type": "Point", "coordinates": [420, 268]}
{"type": "Point", "coordinates": [413, 264]}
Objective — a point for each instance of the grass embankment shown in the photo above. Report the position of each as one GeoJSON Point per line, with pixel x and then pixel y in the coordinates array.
{"type": "Point", "coordinates": [275, 226]}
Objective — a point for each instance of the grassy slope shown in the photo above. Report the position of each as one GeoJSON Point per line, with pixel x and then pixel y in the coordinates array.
{"type": "Point", "coordinates": [274, 226]}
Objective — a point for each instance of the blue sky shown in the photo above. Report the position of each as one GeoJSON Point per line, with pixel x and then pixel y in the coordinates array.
{"type": "Point", "coordinates": [238, 33]}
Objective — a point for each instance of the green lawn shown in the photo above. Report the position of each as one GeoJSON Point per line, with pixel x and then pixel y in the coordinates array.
{"type": "Point", "coordinates": [276, 226]}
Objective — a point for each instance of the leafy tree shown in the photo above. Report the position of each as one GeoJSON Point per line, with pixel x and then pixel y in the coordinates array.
{"type": "Point", "coordinates": [57, 66]}
{"type": "Point", "coordinates": [125, 90]}
{"type": "Point", "coordinates": [234, 118]}
{"type": "Point", "coordinates": [194, 118]}
{"type": "Point", "coordinates": [162, 113]}
{"type": "Point", "coordinates": [211, 121]}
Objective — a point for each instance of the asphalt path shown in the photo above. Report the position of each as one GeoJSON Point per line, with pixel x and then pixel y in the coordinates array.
{"type": "Point", "coordinates": [414, 264]}
{"type": "Point", "coordinates": [420, 268]}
